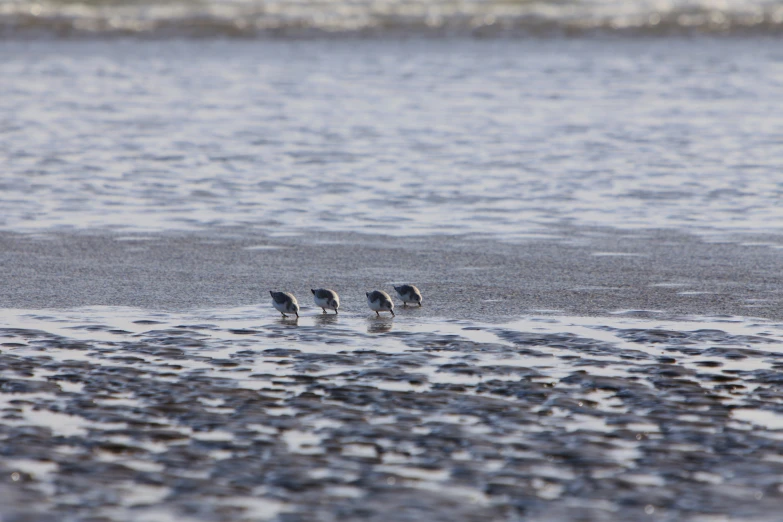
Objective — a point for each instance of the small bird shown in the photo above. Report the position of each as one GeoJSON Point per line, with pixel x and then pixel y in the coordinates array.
{"type": "Point", "coordinates": [285, 302]}
{"type": "Point", "coordinates": [326, 299]}
{"type": "Point", "coordinates": [380, 301]}
{"type": "Point", "coordinates": [408, 294]}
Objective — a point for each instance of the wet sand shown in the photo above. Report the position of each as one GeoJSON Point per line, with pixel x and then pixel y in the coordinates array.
{"type": "Point", "coordinates": [126, 414]}
{"type": "Point", "coordinates": [571, 271]}
{"type": "Point", "coordinates": [148, 377]}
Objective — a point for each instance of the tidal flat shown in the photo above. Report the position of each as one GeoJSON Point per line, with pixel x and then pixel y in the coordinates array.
{"type": "Point", "coordinates": [181, 394]}
{"type": "Point", "coordinates": [593, 220]}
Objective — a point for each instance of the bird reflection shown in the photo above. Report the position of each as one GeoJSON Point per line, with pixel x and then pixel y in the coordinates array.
{"type": "Point", "coordinates": [289, 321]}
{"type": "Point", "coordinates": [379, 326]}
{"type": "Point", "coordinates": [325, 319]}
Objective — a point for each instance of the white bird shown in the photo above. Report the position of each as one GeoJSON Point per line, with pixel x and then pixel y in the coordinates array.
{"type": "Point", "coordinates": [379, 301]}
{"type": "Point", "coordinates": [408, 294]}
{"type": "Point", "coordinates": [326, 299]}
{"type": "Point", "coordinates": [285, 303]}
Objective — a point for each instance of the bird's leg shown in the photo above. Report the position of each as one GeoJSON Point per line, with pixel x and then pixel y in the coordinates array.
{"type": "Point", "coordinates": [335, 311]}
{"type": "Point", "coordinates": [283, 314]}
{"type": "Point", "coordinates": [377, 313]}
{"type": "Point", "coordinates": [419, 305]}
{"type": "Point", "coordinates": [297, 315]}
{"type": "Point", "coordinates": [392, 311]}
{"type": "Point", "coordinates": [405, 304]}
{"type": "Point", "coordinates": [324, 309]}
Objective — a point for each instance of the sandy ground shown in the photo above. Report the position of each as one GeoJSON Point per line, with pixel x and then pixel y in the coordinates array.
{"type": "Point", "coordinates": [576, 271]}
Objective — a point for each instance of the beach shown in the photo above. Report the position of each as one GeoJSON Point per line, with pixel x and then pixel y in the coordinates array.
{"type": "Point", "coordinates": [593, 220]}
{"type": "Point", "coordinates": [575, 272]}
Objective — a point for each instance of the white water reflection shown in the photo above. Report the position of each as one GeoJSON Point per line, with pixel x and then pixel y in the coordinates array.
{"type": "Point", "coordinates": [225, 334]}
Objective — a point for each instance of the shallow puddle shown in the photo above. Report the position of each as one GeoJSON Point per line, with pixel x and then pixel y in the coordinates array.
{"type": "Point", "coordinates": [235, 413]}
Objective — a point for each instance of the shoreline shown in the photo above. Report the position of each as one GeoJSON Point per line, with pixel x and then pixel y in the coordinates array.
{"type": "Point", "coordinates": [581, 272]}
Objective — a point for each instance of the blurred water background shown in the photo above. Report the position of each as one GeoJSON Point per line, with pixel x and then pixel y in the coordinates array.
{"type": "Point", "coordinates": [406, 17]}
{"type": "Point", "coordinates": [398, 136]}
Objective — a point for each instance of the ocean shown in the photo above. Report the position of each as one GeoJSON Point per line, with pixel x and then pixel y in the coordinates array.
{"type": "Point", "coordinates": [481, 18]}
{"type": "Point", "coordinates": [588, 195]}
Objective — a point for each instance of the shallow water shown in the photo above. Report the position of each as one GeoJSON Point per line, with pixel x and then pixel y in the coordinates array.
{"type": "Point", "coordinates": [236, 413]}
{"type": "Point", "coordinates": [416, 137]}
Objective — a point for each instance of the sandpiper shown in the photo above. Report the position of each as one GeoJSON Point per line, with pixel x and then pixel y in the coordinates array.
{"type": "Point", "coordinates": [285, 303]}
{"type": "Point", "coordinates": [380, 301]}
{"type": "Point", "coordinates": [408, 294]}
{"type": "Point", "coordinates": [326, 298]}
